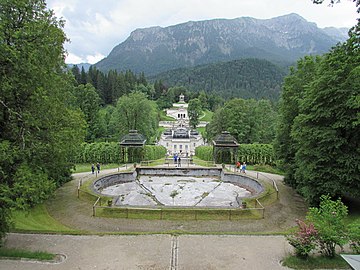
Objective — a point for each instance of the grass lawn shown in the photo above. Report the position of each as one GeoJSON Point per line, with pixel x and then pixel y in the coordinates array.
{"type": "Point", "coordinates": [37, 219]}
{"type": "Point", "coordinates": [207, 116]}
{"type": "Point", "coordinates": [86, 167]}
{"type": "Point", "coordinates": [264, 168]}
{"type": "Point", "coordinates": [164, 117]}
{"type": "Point", "coordinates": [12, 253]}
{"type": "Point", "coordinates": [315, 263]}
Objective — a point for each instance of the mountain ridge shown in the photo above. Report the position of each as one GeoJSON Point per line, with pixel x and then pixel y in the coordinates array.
{"type": "Point", "coordinates": [158, 49]}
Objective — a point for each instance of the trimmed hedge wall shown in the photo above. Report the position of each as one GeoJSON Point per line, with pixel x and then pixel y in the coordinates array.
{"type": "Point", "coordinates": [153, 152]}
{"type": "Point", "coordinates": [109, 152]}
{"type": "Point", "coordinates": [250, 153]}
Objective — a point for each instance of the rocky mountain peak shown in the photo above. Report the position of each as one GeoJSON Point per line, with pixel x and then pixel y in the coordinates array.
{"type": "Point", "coordinates": [157, 49]}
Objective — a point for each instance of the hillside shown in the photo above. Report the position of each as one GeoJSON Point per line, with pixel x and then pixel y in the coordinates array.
{"type": "Point", "coordinates": [245, 78]}
{"type": "Point", "coordinates": [156, 49]}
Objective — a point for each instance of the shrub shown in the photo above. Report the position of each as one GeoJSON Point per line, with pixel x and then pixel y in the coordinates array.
{"type": "Point", "coordinates": [354, 236]}
{"type": "Point", "coordinates": [304, 240]}
{"type": "Point", "coordinates": [328, 220]}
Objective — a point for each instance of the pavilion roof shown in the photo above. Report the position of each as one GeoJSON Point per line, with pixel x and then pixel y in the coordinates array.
{"type": "Point", "coordinates": [225, 139]}
{"type": "Point", "coordinates": [134, 139]}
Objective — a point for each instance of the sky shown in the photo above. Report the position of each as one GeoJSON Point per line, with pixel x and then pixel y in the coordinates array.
{"type": "Point", "coordinates": [95, 27]}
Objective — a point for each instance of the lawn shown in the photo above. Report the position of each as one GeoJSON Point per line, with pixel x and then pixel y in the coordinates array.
{"type": "Point", "coordinates": [164, 117]}
{"type": "Point", "coordinates": [207, 116]}
{"type": "Point", "coordinates": [318, 262]}
{"type": "Point", "coordinates": [86, 167]}
{"type": "Point", "coordinates": [37, 219]}
{"type": "Point", "coordinates": [12, 253]}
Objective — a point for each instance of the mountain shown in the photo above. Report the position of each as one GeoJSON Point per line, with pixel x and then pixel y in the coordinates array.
{"type": "Point", "coordinates": [156, 49]}
{"type": "Point", "coordinates": [245, 78]}
{"type": "Point", "coordinates": [340, 34]}
{"type": "Point", "coordinates": [86, 66]}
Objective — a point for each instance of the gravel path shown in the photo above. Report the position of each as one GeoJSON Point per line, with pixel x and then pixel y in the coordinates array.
{"type": "Point", "coordinates": [152, 252]}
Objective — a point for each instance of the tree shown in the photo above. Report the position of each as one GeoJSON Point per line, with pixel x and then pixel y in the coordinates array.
{"type": "Point", "coordinates": [327, 127]}
{"type": "Point", "coordinates": [135, 111]}
{"type": "Point", "coordinates": [39, 127]}
{"type": "Point", "coordinates": [194, 112]}
{"type": "Point", "coordinates": [88, 100]}
{"type": "Point", "coordinates": [249, 121]}
{"type": "Point", "coordinates": [293, 91]}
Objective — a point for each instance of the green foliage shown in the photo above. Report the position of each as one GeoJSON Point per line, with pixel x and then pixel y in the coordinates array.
{"type": "Point", "coordinates": [109, 152]}
{"type": "Point", "coordinates": [318, 137]}
{"type": "Point", "coordinates": [289, 106]}
{"type": "Point", "coordinates": [250, 153]}
{"type": "Point", "coordinates": [88, 100]}
{"type": "Point", "coordinates": [102, 152]}
{"type": "Point", "coordinates": [354, 236]}
{"type": "Point", "coordinates": [318, 262]}
{"type": "Point", "coordinates": [153, 152]}
{"type": "Point", "coordinates": [37, 219]}
{"type": "Point", "coordinates": [249, 121]}
{"type": "Point", "coordinates": [204, 152]}
{"type": "Point", "coordinates": [19, 253]}
{"type": "Point", "coordinates": [194, 111]}
{"type": "Point", "coordinates": [135, 112]}
{"type": "Point", "coordinates": [303, 240]}
{"type": "Point", "coordinates": [328, 220]}
{"type": "Point", "coordinates": [256, 153]}
{"type": "Point", "coordinates": [39, 124]}
{"type": "Point", "coordinates": [246, 78]}
{"type": "Point", "coordinates": [207, 116]}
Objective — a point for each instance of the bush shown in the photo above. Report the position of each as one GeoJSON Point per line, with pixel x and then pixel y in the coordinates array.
{"type": "Point", "coordinates": [354, 236]}
{"type": "Point", "coordinates": [304, 240]}
{"type": "Point", "coordinates": [250, 153]}
{"type": "Point", "coordinates": [204, 152]}
{"type": "Point", "coordinates": [109, 152]}
{"type": "Point", "coordinates": [153, 152]}
{"type": "Point", "coordinates": [328, 220]}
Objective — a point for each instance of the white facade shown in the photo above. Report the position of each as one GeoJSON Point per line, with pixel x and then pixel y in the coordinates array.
{"type": "Point", "coordinates": [178, 112]}
{"type": "Point", "coordinates": [179, 138]}
{"type": "Point", "coordinates": [186, 146]}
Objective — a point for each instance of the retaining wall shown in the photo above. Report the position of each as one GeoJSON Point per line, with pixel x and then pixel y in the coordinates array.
{"type": "Point", "coordinates": [180, 171]}
{"type": "Point", "coordinates": [114, 179]}
{"type": "Point", "coordinates": [243, 181]}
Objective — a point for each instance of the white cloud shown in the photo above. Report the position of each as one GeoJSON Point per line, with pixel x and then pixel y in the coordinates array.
{"type": "Point", "coordinates": [92, 59]}
{"type": "Point", "coordinates": [73, 59]}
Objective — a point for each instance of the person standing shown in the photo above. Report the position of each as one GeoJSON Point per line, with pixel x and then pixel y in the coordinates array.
{"type": "Point", "coordinates": [243, 168]}
{"type": "Point", "coordinates": [98, 167]}
{"type": "Point", "coordinates": [179, 161]}
{"type": "Point", "coordinates": [93, 168]}
{"type": "Point", "coordinates": [238, 166]}
{"type": "Point", "coordinates": [175, 159]}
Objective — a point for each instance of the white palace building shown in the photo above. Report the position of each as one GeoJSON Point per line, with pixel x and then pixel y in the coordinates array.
{"type": "Point", "coordinates": [178, 138]}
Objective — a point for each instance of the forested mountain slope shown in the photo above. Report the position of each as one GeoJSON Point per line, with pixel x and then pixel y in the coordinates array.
{"type": "Point", "coordinates": [245, 78]}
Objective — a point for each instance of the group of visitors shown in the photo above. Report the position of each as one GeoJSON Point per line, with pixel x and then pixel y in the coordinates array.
{"type": "Point", "coordinates": [241, 167]}
{"type": "Point", "coordinates": [177, 160]}
{"type": "Point", "coordinates": [97, 167]}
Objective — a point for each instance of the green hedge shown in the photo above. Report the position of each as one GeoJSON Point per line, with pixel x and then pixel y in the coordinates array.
{"type": "Point", "coordinates": [256, 153]}
{"type": "Point", "coordinates": [153, 152]}
{"type": "Point", "coordinates": [250, 153]}
{"type": "Point", "coordinates": [204, 152]}
{"type": "Point", "coordinates": [109, 152]}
